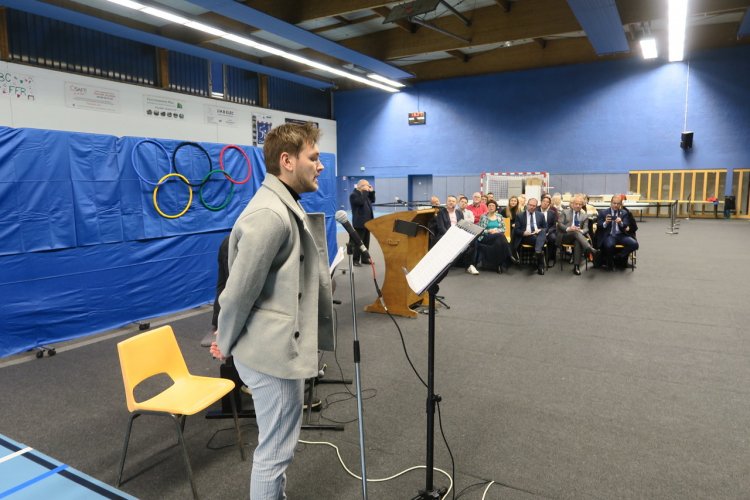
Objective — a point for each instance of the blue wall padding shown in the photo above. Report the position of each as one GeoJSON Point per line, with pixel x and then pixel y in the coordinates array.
{"type": "Point", "coordinates": [606, 117]}
{"type": "Point", "coordinates": [54, 296]}
{"type": "Point", "coordinates": [82, 248]}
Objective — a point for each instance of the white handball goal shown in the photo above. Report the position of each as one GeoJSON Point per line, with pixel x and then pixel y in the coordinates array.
{"type": "Point", "coordinates": [503, 185]}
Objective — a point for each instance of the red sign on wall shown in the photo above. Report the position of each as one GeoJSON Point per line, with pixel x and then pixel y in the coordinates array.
{"type": "Point", "coordinates": [417, 118]}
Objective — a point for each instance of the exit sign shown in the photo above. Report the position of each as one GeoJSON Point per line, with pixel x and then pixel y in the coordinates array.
{"type": "Point", "coordinates": [417, 118]}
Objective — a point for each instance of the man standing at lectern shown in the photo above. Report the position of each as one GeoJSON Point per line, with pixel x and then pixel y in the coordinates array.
{"type": "Point", "coordinates": [361, 201]}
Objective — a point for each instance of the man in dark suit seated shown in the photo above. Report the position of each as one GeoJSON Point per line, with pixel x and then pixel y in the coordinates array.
{"type": "Point", "coordinates": [531, 229]}
{"type": "Point", "coordinates": [361, 200]}
{"type": "Point", "coordinates": [616, 227]}
{"type": "Point", "coordinates": [550, 217]}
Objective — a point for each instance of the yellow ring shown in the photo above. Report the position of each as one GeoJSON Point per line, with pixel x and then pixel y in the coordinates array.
{"type": "Point", "coordinates": [190, 197]}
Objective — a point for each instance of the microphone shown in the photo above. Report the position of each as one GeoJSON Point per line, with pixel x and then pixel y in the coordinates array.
{"type": "Point", "coordinates": [342, 219]}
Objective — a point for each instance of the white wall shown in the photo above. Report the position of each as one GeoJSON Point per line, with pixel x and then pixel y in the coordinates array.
{"type": "Point", "coordinates": [33, 97]}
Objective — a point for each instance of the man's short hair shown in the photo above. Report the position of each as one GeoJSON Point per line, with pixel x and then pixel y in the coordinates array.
{"type": "Point", "coordinates": [463, 197]}
{"type": "Point", "coordinates": [451, 196]}
{"type": "Point", "coordinates": [288, 138]}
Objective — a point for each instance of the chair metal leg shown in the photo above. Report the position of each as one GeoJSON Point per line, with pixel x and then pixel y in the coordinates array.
{"type": "Point", "coordinates": [133, 416]}
{"type": "Point", "coordinates": [237, 427]}
{"type": "Point", "coordinates": [179, 422]}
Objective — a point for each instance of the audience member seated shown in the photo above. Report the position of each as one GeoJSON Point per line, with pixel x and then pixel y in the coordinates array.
{"type": "Point", "coordinates": [477, 208]}
{"type": "Point", "coordinates": [493, 249]}
{"type": "Point", "coordinates": [593, 214]}
{"type": "Point", "coordinates": [572, 227]}
{"type": "Point", "coordinates": [448, 216]}
{"type": "Point", "coordinates": [531, 229]}
{"type": "Point", "coordinates": [556, 203]}
{"type": "Point", "coordinates": [510, 212]}
{"type": "Point", "coordinates": [491, 196]}
{"type": "Point", "coordinates": [521, 202]}
{"type": "Point", "coordinates": [550, 218]}
{"type": "Point", "coordinates": [615, 229]}
{"type": "Point", "coordinates": [462, 202]}
{"type": "Point", "coordinates": [435, 201]}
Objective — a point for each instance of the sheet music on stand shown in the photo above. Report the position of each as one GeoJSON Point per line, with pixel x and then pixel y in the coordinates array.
{"type": "Point", "coordinates": [445, 251]}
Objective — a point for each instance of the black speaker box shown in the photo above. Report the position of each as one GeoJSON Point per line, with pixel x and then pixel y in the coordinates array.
{"type": "Point", "coordinates": [686, 141]}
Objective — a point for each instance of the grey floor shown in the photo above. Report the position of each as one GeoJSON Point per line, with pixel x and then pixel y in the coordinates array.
{"type": "Point", "coordinates": [608, 385]}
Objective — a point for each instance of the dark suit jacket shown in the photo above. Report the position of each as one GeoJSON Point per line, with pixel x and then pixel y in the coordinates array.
{"type": "Point", "coordinates": [361, 203]}
{"type": "Point", "coordinates": [627, 226]}
{"type": "Point", "coordinates": [551, 223]}
{"type": "Point", "coordinates": [443, 221]}
{"type": "Point", "coordinates": [520, 226]}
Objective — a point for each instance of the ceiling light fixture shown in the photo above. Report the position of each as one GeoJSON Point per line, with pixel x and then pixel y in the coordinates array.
{"type": "Point", "coordinates": [254, 44]}
{"type": "Point", "coordinates": [392, 83]}
{"type": "Point", "coordinates": [677, 21]}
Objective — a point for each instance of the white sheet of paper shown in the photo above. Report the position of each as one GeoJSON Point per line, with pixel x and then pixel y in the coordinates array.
{"type": "Point", "coordinates": [441, 255]}
{"type": "Point", "coordinates": [337, 259]}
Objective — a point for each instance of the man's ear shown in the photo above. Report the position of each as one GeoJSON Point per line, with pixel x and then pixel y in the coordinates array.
{"type": "Point", "coordinates": [285, 161]}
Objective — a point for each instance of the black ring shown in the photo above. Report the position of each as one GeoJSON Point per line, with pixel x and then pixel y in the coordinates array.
{"type": "Point", "coordinates": [196, 145]}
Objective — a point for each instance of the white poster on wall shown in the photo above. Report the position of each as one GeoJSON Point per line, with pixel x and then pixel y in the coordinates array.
{"type": "Point", "coordinates": [92, 98]}
{"type": "Point", "coordinates": [164, 107]}
{"type": "Point", "coordinates": [17, 85]}
{"type": "Point", "coordinates": [262, 125]}
{"type": "Point", "coordinates": [220, 115]}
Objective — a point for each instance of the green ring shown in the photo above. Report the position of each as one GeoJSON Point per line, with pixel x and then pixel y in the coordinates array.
{"type": "Point", "coordinates": [226, 201]}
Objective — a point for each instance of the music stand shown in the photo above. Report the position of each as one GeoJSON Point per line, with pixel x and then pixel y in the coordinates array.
{"type": "Point", "coordinates": [411, 229]}
{"type": "Point", "coordinates": [425, 276]}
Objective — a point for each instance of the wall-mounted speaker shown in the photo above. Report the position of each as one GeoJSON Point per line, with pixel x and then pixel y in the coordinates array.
{"type": "Point", "coordinates": [686, 141]}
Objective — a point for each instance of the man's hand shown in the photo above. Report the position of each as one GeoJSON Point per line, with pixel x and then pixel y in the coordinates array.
{"type": "Point", "coordinates": [215, 351]}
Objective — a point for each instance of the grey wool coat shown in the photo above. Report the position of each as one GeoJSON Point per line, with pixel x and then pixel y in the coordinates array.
{"type": "Point", "coordinates": [276, 308]}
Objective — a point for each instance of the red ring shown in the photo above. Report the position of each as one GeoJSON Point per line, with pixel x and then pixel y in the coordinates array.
{"type": "Point", "coordinates": [247, 159]}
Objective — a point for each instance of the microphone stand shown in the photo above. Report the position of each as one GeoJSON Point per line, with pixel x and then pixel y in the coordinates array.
{"type": "Point", "coordinates": [357, 377]}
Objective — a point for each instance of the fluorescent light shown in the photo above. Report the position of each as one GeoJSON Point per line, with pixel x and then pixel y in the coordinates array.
{"type": "Point", "coordinates": [128, 4]}
{"type": "Point", "coordinates": [217, 95]}
{"type": "Point", "coordinates": [677, 20]}
{"type": "Point", "coordinates": [648, 48]}
{"type": "Point", "coordinates": [163, 14]}
{"type": "Point", "coordinates": [305, 61]}
{"type": "Point", "coordinates": [392, 83]}
{"type": "Point", "coordinates": [205, 28]}
{"type": "Point", "coordinates": [258, 45]}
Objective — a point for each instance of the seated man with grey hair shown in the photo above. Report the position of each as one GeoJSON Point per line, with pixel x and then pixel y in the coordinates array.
{"type": "Point", "coordinates": [572, 227]}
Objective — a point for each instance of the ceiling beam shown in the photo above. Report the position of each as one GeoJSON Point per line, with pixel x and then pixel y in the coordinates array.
{"type": "Point", "coordinates": [404, 24]}
{"type": "Point", "coordinates": [505, 4]}
{"type": "Point", "coordinates": [254, 17]}
{"type": "Point", "coordinates": [535, 19]}
{"type": "Point", "coordinates": [345, 22]}
{"type": "Point", "coordinates": [563, 52]}
{"type": "Point", "coordinates": [295, 11]}
{"type": "Point", "coordinates": [459, 55]}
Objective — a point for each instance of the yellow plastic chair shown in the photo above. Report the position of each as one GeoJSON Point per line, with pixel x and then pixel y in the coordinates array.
{"type": "Point", "coordinates": [156, 352]}
{"type": "Point", "coordinates": [506, 220]}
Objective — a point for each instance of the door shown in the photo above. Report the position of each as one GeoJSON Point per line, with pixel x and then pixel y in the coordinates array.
{"type": "Point", "coordinates": [420, 188]}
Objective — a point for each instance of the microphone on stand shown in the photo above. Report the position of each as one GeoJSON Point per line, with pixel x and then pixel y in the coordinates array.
{"type": "Point", "coordinates": [342, 219]}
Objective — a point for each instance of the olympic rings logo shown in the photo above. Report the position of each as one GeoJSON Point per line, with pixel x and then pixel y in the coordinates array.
{"type": "Point", "coordinates": [174, 173]}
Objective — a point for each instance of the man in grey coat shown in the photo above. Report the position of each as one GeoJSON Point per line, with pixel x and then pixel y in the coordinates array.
{"type": "Point", "coordinates": [276, 308]}
{"type": "Point", "coordinates": [573, 228]}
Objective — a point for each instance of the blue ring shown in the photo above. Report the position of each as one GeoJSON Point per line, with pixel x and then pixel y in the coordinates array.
{"type": "Point", "coordinates": [132, 159]}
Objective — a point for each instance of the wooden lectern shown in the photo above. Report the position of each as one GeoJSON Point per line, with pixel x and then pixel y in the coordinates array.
{"type": "Point", "coordinates": [400, 251]}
